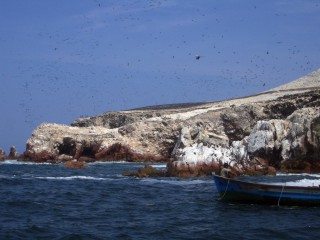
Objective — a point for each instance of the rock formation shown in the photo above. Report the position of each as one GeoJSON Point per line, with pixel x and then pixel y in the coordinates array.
{"type": "Point", "coordinates": [13, 154]}
{"type": "Point", "coordinates": [75, 164]}
{"type": "Point", "coordinates": [2, 155]}
{"type": "Point", "coordinates": [278, 129]}
{"type": "Point", "coordinates": [147, 171]}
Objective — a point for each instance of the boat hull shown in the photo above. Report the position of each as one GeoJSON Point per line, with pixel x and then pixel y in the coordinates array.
{"type": "Point", "coordinates": [249, 192]}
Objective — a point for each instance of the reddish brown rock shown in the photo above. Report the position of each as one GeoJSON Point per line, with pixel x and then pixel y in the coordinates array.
{"type": "Point", "coordinates": [75, 164]}
{"type": "Point", "coordinates": [147, 171]}
{"type": "Point", "coordinates": [258, 167]}
{"type": "Point", "coordinates": [195, 170]}
{"type": "Point", "coordinates": [120, 151]}
{"type": "Point", "coordinates": [301, 167]}
{"type": "Point", "coordinates": [116, 151]}
{"type": "Point", "coordinates": [43, 156]}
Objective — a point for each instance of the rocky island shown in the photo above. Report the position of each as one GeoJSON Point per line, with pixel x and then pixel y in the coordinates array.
{"type": "Point", "coordinates": [274, 130]}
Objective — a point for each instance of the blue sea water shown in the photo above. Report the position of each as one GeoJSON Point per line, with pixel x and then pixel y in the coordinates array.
{"type": "Point", "coordinates": [48, 201]}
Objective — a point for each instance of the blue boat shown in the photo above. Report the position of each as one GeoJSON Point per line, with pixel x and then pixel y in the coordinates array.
{"type": "Point", "coordinates": [233, 190]}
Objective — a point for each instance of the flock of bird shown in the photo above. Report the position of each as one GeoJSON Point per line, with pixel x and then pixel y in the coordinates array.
{"type": "Point", "coordinates": [103, 67]}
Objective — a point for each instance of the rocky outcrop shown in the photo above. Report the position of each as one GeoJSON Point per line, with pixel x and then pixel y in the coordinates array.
{"type": "Point", "coordinates": [147, 171]}
{"type": "Point", "coordinates": [75, 164]}
{"type": "Point", "coordinates": [2, 155]}
{"type": "Point", "coordinates": [292, 144]}
{"type": "Point", "coordinates": [256, 135]}
{"type": "Point", "coordinates": [60, 143]}
{"type": "Point", "coordinates": [284, 143]}
{"type": "Point", "coordinates": [13, 154]}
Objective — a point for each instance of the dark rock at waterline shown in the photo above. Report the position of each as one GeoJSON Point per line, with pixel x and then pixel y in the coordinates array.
{"type": "Point", "coordinates": [147, 171]}
{"type": "Point", "coordinates": [75, 164]}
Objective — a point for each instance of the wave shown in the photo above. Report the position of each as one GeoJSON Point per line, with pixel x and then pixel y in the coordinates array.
{"type": "Point", "coordinates": [108, 162]}
{"type": "Point", "coordinates": [4, 177]}
{"type": "Point", "coordinates": [174, 181]}
{"type": "Point", "coordinates": [159, 165]}
{"type": "Point", "coordinates": [17, 162]}
{"type": "Point", "coordinates": [75, 178]}
{"type": "Point", "coordinates": [301, 183]}
{"type": "Point", "coordinates": [298, 174]}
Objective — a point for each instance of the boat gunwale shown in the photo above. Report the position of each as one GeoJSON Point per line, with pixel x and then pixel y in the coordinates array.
{"type": "Point", "coordinates": [270, 186]}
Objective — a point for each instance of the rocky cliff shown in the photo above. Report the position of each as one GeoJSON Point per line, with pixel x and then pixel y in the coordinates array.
{"type": "Point", "coordinates": [278, 129]}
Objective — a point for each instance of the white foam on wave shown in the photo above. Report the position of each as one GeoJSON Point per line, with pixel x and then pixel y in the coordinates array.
{"type": "Point", "coordinates": [75, 178]}
{"type": "Point", "coordinates": [159, 165]}
{"type": "Point", "coordinates": [109, 162]}
{"type": "Point", "coordinates": [302, 183]}
{"type": "Point", "coordinates": [173, 181]}
{"type": "Point", "coordinates": [298, 174]}
{"type": "Point", "coordinates": [16, 162]}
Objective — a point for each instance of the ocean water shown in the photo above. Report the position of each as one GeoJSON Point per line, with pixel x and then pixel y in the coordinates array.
{"type": "Point", "coordinates": [48, 201]}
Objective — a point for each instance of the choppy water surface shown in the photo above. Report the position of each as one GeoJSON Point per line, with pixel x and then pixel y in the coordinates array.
{"type": "Point", "coordinates": [44, 201]}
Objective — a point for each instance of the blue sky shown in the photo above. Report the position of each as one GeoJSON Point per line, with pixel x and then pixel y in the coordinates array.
{"type": "Point", "coordinates": [64, 59]}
